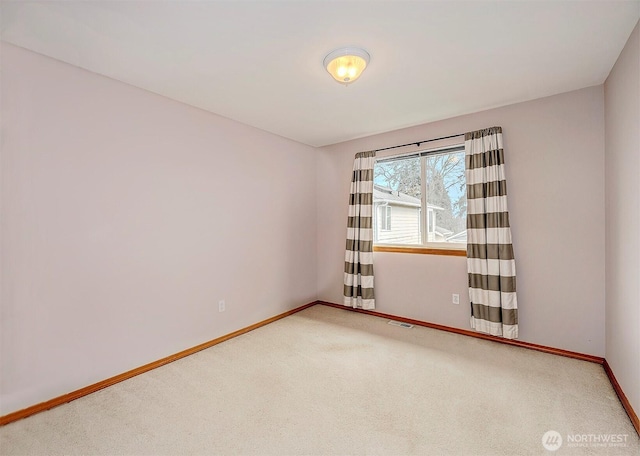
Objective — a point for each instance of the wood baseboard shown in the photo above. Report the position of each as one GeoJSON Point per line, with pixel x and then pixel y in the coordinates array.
{"type": "Point", "coordinates": [466, 332]}
{"type": "Point", "coordinates": [623, 398]}
{"type": "Point", "coordinates": [517, 343]}
{"type": "Point", "coordinates": [14, 416]}
{"type": "Point", "coordinates": [17, 415]}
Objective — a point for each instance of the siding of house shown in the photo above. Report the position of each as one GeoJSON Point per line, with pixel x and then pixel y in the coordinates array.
{"type": "Point", "coordinates": [405, 226]}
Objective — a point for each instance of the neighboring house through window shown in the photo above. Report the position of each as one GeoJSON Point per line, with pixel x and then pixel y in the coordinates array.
{"type": "Point", "coordinates": [420, 199]}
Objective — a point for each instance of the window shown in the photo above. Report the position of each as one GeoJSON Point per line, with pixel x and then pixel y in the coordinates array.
{"type": "Point", "coordinates": [420, 199]}
{"type": "Point", "coordinates": [384, 215]}
{"type": "Point", "coordinates": [431, 221]}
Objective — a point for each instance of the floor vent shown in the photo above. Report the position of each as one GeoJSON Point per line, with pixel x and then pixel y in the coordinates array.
{"type": "Point", "coordinates": [400, 323]}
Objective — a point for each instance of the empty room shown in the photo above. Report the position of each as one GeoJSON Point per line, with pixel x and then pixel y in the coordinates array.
{"type": "Point", "coordinates": [319, 227]}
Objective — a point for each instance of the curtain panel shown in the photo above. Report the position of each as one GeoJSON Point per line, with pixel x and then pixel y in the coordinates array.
{"type": "Point", "coordinates": [358, 261]}
{"type": "Point", "coordinates": [490, 260]}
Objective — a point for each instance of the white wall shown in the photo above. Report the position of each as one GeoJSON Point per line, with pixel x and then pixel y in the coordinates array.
{"type": "Point", "coordinates": [125, 218]}
{"type": "Point", "coordinates": [622, 176]}
{"type": "Point", "coordinates": [555, 178]}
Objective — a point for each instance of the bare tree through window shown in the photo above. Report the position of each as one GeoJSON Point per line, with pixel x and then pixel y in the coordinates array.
{"type": "Point", "coordinates": [401, 182]}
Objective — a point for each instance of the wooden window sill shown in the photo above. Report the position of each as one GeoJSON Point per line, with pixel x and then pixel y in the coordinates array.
{"type": "Point", "coordinates": [420, 250]}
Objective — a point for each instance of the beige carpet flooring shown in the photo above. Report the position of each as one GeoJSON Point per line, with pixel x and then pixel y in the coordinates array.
{"type": "Point", "coordinates": [327, 381]}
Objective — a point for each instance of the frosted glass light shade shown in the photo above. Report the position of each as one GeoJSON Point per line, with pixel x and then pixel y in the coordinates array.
{"type": "Point", "coordinates": [347, 64]}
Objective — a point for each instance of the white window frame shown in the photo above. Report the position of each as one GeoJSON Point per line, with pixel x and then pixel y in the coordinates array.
{"type": "Point", "coordinates": [385, 224]}
{"type": "Point", "coordinates": [431, 221]}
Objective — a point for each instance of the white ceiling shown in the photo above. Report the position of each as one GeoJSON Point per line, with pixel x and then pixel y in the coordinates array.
{"type": "Point", "coordinates": [260, 63]}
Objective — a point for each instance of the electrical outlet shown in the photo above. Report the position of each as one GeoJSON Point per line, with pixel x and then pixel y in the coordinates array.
{"type": "Point", "coordinates": [455, 298]}
{"type": "Point", "coordinates": [221, 305]}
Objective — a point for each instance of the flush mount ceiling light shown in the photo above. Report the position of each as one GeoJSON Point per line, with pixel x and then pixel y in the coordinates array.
{"type": "Point", "coordinates": [346, 65]}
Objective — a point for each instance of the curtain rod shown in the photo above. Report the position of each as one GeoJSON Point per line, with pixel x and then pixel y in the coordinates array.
{"type": "Point", "coordinates": [418, 143]}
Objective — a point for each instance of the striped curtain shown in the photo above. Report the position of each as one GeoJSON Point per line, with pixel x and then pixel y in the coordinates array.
{"type": "Point", "coordinates": [490, 260]}
{"type": "Point", "coordinates": [358, 260]}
